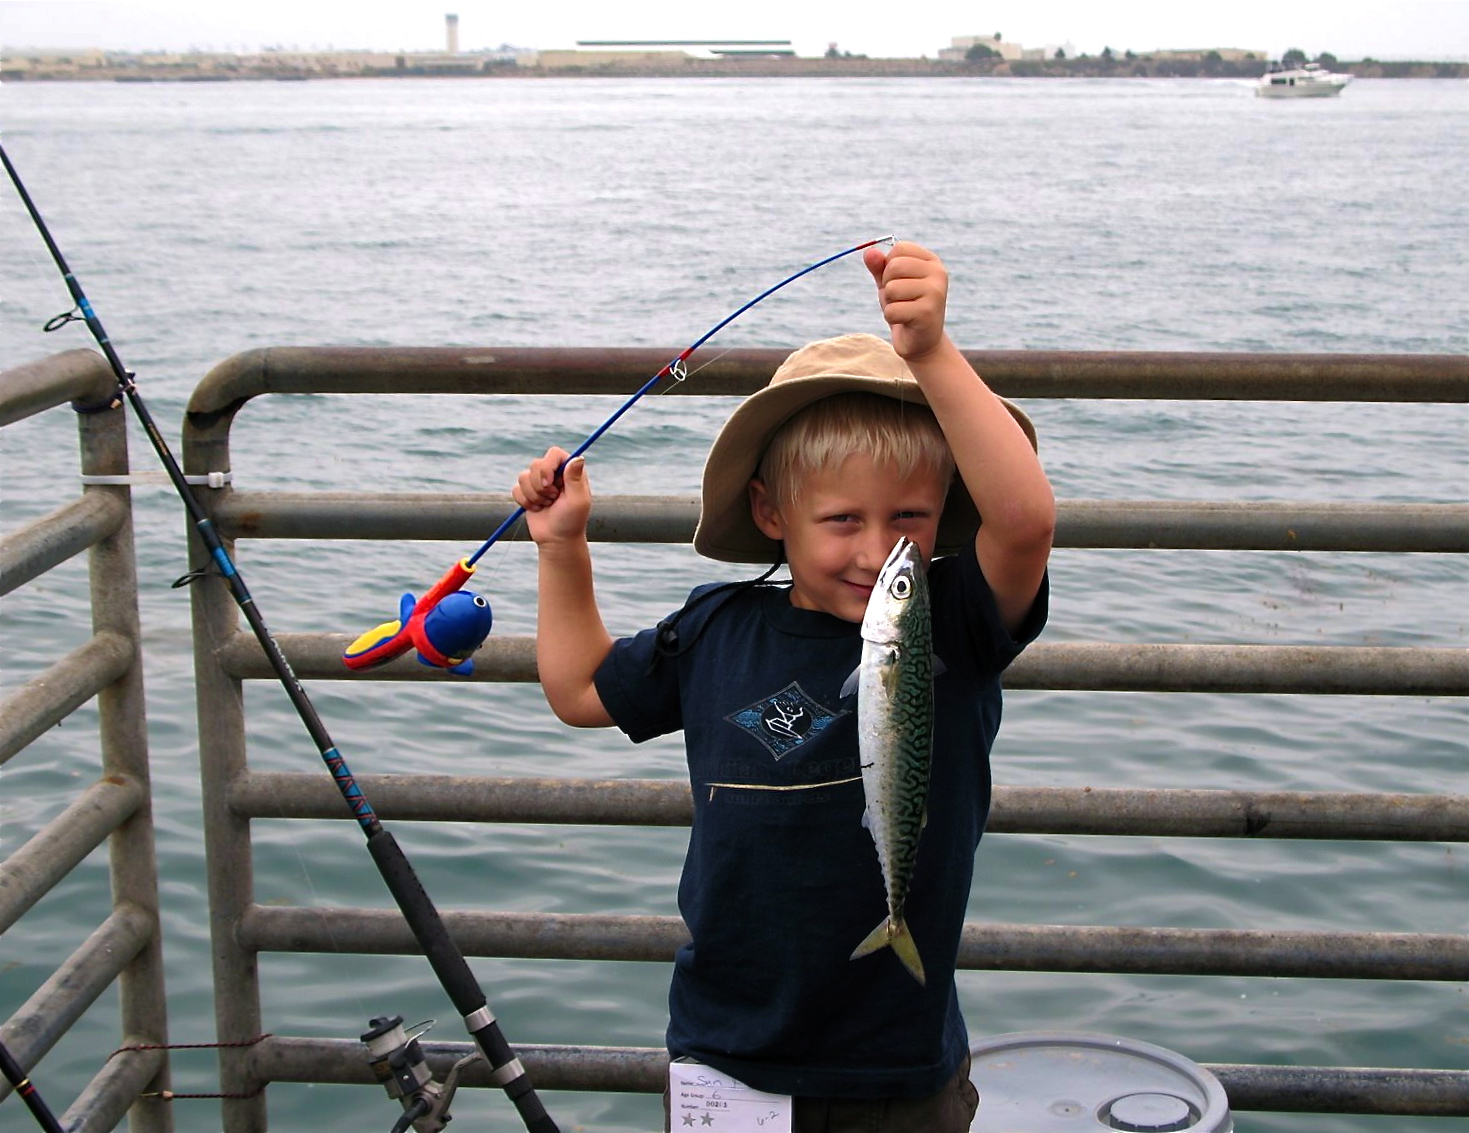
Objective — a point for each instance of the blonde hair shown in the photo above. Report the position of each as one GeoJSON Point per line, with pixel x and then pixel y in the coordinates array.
{"type": "Point", "coordinates": [823, 434]}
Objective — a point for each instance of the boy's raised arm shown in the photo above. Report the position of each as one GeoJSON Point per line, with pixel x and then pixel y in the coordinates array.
{"type": "Point", "coordinates": [571, 641]}
{"type": "Point", "coordinates": [994, 457]}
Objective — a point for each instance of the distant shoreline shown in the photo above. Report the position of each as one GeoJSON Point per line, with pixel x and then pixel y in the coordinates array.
{"type": "Point", "coordinates": [200, 69]}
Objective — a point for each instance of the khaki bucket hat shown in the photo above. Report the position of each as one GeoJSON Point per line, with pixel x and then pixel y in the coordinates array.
{"type": "Point", "coordinates": [852, 363]}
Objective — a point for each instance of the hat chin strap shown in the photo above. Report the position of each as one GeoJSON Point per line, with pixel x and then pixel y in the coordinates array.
{"type": "Point", "coordinates": [666, 643]}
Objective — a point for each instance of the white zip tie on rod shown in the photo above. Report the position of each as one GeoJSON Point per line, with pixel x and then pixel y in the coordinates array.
{"type": "Point", "coordinates": [134, 479]}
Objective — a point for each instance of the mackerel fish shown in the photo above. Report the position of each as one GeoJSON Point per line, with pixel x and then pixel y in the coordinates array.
{"type": "Point", "coordinates": [894, 687]}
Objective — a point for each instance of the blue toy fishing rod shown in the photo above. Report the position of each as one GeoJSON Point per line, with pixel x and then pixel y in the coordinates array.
{"type": "Point", "coordinates": [444, 635]}
{"type": "Point", "coordinates": [397, 872]}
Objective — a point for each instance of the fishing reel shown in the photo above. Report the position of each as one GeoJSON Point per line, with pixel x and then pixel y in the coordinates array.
{"type": "Point", "coordinates": [401, 1066]}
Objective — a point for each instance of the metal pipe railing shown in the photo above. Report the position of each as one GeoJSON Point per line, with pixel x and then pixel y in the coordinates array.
{"type": "Point", "coordinates": [63, 843]}
{"type": "Point", "coordinates": [1102, 811]}
{"type": "Point", "coordinates": [48, 542]}
{"type": "Point", "coordinates": [80, 376]}
{"type": "Point", "coordinates": [1328, 670]}
{"type": "Point", "coordinates": [1309, 1089]}
{"type": "Point", "coordinates": [1338, 1089]}
{"type": "Point", "coordinates": [44, 701]}
{"type": "Point", "coordinates": [1146, 375]}
{"type": "Point", "coordinates": [235, 795]}
{"type": "Point", "coordinates": [132, 862]}
{"type": "Point", "coordinates": [1091, 949]}
{"type": "Point", "coordinates": [125, 952]}
{"type": "Point", "coordinates": [1323, 670]}
{"type": "Point", "coordinates": [128, 1082]}
{"type": "Point", "coordinates": [82, 977]}
{"type": "Point", "coordinates": [1109, 524]}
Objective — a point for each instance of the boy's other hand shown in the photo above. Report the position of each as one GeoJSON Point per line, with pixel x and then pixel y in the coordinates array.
{"type": "Point", "coordinates": [913, 290]}
{"type": "Point", "coordinates": [557, 501]}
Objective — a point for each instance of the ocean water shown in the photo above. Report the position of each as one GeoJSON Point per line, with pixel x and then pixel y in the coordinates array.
{"type": "Point", "coordinates": [207, 219]}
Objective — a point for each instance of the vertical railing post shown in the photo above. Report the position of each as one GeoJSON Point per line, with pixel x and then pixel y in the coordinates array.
{"type": "Point", "coordinates": [221, 714]}
{"type": "Point", "coordinates": [122, 720]}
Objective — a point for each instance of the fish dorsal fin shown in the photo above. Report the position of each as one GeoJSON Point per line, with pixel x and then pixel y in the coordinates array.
{"type": "Point", "coordinates": [939, 668]}
{"type": "Point", "coordinates": [849, 686]}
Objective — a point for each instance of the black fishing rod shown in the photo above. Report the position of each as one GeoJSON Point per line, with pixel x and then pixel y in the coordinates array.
{"type": "Point", "coordinates": [444, 956]}
{"type": "Point", "coordinates": [16, 1076]}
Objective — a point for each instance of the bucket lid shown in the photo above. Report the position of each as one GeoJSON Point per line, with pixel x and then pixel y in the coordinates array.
{"type": "Point", "coordinates": [1053, 1082]}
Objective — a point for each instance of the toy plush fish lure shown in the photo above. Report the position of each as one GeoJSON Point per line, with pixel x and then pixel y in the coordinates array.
{"type": "Point", "coordinates": [894, 687]}
{"type": "Point", "coordinates": [445, 626]}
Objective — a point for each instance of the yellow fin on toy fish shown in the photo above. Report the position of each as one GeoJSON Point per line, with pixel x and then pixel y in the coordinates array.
{"type": "Point", "coordinates": [374, 637]}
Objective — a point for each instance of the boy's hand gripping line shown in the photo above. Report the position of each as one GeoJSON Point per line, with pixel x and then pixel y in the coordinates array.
{"type": "Point", "coordinates": [448, 624]}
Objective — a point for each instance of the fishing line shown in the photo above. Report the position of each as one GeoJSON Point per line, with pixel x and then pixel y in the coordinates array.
{"type": "Point", "coordinates": [443, 955]}
{"type": "Point", "coordinates": [321, 912]}
{"type": "Point", "coordinates": [694, 372]}
{"type": "Point", "coordinates": [677, 369]}
{"type": "Point", "coordinates": [447, 624]}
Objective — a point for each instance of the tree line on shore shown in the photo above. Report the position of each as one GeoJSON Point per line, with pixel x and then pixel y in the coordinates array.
{"type": "Point", "coordinates": [982, 59]}
{"type": "Point", "coordinates": [1107, 64]}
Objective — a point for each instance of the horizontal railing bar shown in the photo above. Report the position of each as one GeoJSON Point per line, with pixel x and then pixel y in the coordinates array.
{"type": "Point", "coordinates": [1230, 814]}
{"type": "Point", "coordinates": [983, 947]}
{"type": "Point", "coordinates": [1076, 666]}
{"type": "Point", "coordinates": [73, 375]}
{"type": "Point", "coordinates": [470, 798]}
{"type": "Point", "coordinates": [466, 517]}
{"type": "Point", "coordinates": [1014, 373]}
{"type": "Point", "coordinates": [1308, 669]}
{"type": "Point", "coordinates": [644, 1070]}
{"type": "Point", "coordinates": [1094, 524]}
{"type": "Point", "coordinates": [1240, 525]}
{"type": "Point", "coordinates": [1345, 1089]}
{"type": "Point", "coordinates": [58, 1003]}
{"type": "Point", "coordinates": [607, 1069]}
{"type": "Point", "coordinates": [1126, 950]}
{"type": "Point", "coordinates": [104, 1103]}
{"type": "Point", "coordinates": [58, 847]}
{"type": "Point", "coordinates": [1112, 811]}
{"type": "Point", "coordinates": [46, 700]}
{"type": "Point", "coordinates": [32, 550]}
{"type": "Point", "coordinates": [318, 656]}
{"type": "Point", "coordinates": [541, 936]}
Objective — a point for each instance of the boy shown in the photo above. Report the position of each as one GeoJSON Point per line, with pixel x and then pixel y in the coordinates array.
{"type": "Point", "coordinates": [853, 444]}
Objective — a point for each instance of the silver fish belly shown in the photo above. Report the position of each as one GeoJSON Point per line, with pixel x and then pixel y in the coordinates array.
{"type": "Point", "coordinates": [894, 686]}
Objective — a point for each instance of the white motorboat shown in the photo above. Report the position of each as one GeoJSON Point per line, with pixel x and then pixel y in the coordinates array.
{"type": "Point", "coordinates": [1310, 80]}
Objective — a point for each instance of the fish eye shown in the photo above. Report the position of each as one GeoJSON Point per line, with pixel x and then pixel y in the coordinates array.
{"type": "Point", "coordinates": [902, 587]}
{"type": "Point", "coordinates": [479, 600]}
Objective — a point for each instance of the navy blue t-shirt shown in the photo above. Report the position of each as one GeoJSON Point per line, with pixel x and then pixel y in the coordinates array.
{"type": "Point", "coordinates": [780, 885]}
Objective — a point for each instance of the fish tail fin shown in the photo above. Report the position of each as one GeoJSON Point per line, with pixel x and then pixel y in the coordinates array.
{"type": "Point", "coordinates": [893, 932]}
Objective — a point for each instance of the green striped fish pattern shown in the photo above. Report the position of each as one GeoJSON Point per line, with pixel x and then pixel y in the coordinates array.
{"type": "Point", "coordinates": [894, 685]}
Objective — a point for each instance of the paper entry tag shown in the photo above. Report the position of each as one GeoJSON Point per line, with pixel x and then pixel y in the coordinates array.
{"type": "Point", "coordinates": [702, 1098]}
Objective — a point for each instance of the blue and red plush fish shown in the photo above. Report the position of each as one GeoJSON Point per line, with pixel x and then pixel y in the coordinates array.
{"type": "Point", "coordinates": [445, 627]}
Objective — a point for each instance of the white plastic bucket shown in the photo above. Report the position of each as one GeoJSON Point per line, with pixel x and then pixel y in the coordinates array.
{"type": "Point", "coordinates": [1054, 1082]}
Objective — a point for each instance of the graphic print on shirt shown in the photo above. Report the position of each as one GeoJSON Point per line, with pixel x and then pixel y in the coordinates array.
{"type": "Point", "coordinates": [785, 720]}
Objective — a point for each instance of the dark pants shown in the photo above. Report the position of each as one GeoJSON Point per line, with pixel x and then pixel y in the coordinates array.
{"type": "Point", "coordinates": [951, 1110]}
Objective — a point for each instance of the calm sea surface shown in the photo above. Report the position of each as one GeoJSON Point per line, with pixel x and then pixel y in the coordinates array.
{"type": "Point", "coordinates": [204, 220]}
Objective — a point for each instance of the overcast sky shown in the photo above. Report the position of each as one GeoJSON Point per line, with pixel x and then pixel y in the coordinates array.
{"type": "Point", "coordinates": [1350, 29]}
